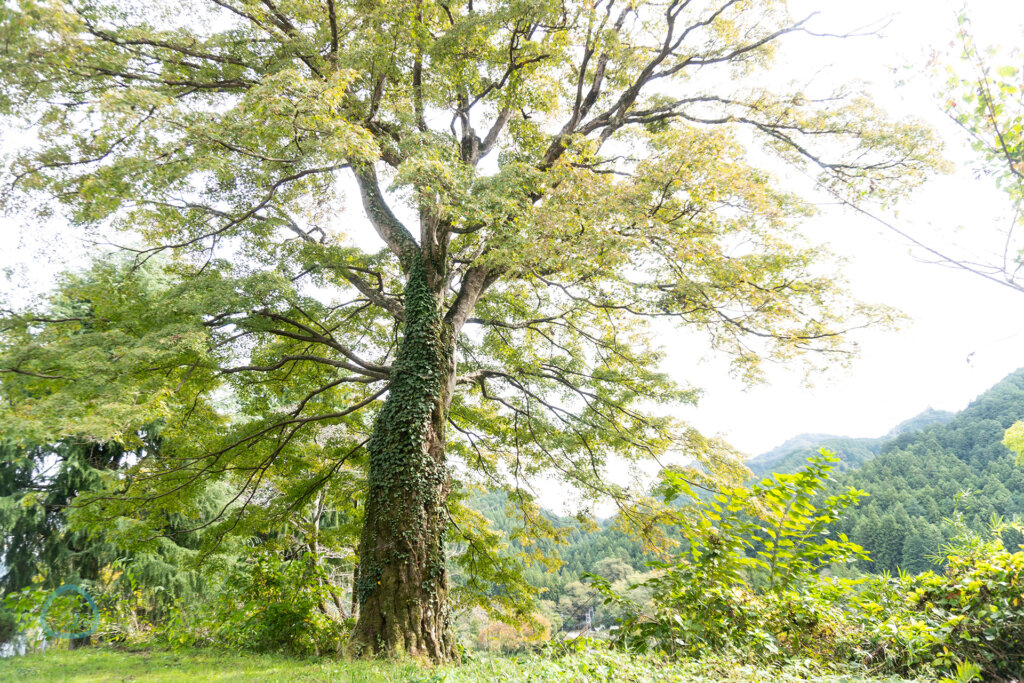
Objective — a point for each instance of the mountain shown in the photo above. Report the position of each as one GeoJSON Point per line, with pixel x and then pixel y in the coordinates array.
{"type": "Point", "coordinates": [913, 476]}
{"type": "Point", "coordinates": [920, 479]}
{"type": "Point", "coordinates": [916, 476]}
{"type": "Point", "coordinates": [852, 452]}
{"type": "Point", "coordinates": [767, 461]}
{"type": "Point", "coordinates": [929, 417]}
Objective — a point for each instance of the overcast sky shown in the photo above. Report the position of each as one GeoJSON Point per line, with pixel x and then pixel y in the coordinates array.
{"type": "Point", "coordinates": [963, 335]}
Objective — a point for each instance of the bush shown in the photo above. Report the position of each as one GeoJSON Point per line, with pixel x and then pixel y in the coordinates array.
{"type": "Point", "coordinates": [9, 626]}
{"type": "Point", "coordinates": [973, 613]}
{"type": "Point", "coordinates": [751, 582]}
{"type": "Point", "coordinates": [267, 604]}
{"type": "Point", "coordinates": [24, 608]}
{"type": "Point", "coordinates": [750, 578]}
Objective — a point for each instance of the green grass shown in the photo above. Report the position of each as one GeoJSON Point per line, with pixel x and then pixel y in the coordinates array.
{"type": "Point", "coordinates": [197, 666]}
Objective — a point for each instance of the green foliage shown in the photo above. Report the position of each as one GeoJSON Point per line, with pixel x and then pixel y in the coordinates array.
{"type": "Point", "coordinates": [76, 365]}
{"type": "Point", "coordinates": [137, 591]}
{"type": "Point", "coordinates": [9, 627]}
{"type": "Point", "coordinates": [486, 573]}
{"type": "Point", "coordinates": [37, 483]}
{"type": "Point", "coordinates": [965, 673]}
{"type": "Point", "coordinates": [1014, 440]}
{"type": "Point", "coordinates": [753, 582]}
{"type": "Point", "coordinates": [984, 94]}
{"type": "Point", "coordinates": [69, 612]}
{"type": "Point", "coordinates": [750, 579]}
{"type": "Point", "coordinates": [852, 453]}
{"type": "Point", "coordinates": [988, 103]}
{"type": "Point", "coordinates": [914, 477]}
{"type": "Point", "coordinates": [26, 607]}
{"type": "Point", "coordinates": [265, 604]}
{"type": "Point", "coordinates": [972, 614]}
{"type": "Point", "coordinates": [580, 665]}
{"type": "Point", "coordinates": [558, 264]}
{"type": "Point", "coordinates": [132, 585]}
{"type": "Point", "coordinates": [548, 556]}
{"type": "Point", "coordinates": [271, 345]}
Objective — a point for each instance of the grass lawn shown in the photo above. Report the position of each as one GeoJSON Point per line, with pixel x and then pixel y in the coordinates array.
{"type": "Point", "coordinates": [101, 663]}
{"type": "Point", "coordinates": [108, 664]}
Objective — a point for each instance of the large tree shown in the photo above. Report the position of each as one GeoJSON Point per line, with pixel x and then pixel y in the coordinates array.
{"type": "Point", "coordinates": [544, 179]}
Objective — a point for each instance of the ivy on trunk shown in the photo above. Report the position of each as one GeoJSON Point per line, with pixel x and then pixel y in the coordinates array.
{"type": "Point", "coordinates": [403, 577]}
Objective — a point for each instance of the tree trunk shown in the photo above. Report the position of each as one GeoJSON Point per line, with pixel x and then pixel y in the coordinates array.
{"type": "Point", "coordinates": [355, 582]}
{"type": "Point", "coordinates": [403, 578]}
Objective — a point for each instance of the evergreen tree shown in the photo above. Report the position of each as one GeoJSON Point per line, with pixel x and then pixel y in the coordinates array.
{"type": "Point", "coordinates": [37, 486]}
{"type": "Point", "coordinates": [921, 542]}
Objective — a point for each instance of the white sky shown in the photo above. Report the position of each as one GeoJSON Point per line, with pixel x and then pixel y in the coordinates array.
{"type": "Point", "coordinates": [953, 314]}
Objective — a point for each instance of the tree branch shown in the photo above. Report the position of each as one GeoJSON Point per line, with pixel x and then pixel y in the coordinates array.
{"type": "Point", "coordinates": [395, 235]}
{"type": "Point", "coordinates": [476, 280]}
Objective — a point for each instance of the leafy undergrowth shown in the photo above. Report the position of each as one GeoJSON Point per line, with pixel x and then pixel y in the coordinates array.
{"type": "Point", "coordinates": [590, 666]}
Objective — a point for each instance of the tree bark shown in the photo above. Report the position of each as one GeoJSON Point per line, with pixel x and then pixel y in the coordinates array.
{"type": "Point", "coordinates": [355, 582]}
{"type": "Point", "coordinates": [403, 579]}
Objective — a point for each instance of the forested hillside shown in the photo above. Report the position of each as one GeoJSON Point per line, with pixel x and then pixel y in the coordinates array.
{"type": "Point", "coordinates": [915, 475]}
{"type": "Point", "coordinates": [915, 480]}
{"type": "Point", "coordinates": [852, 452]}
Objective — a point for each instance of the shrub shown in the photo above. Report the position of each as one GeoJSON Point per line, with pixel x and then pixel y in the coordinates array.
{"type": "Point", "coordinates": [750, 577]}
{"type": "Point", "coordinates": [752, 581]}
{"type": "Point", "coordinates": [972, 613]}
{"type": "Point", "coordinates": [9, 626]}
{"type": "Point", "coordinates": [267, 604]}
{"type": "Point", "coordinates": [25, 606]}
